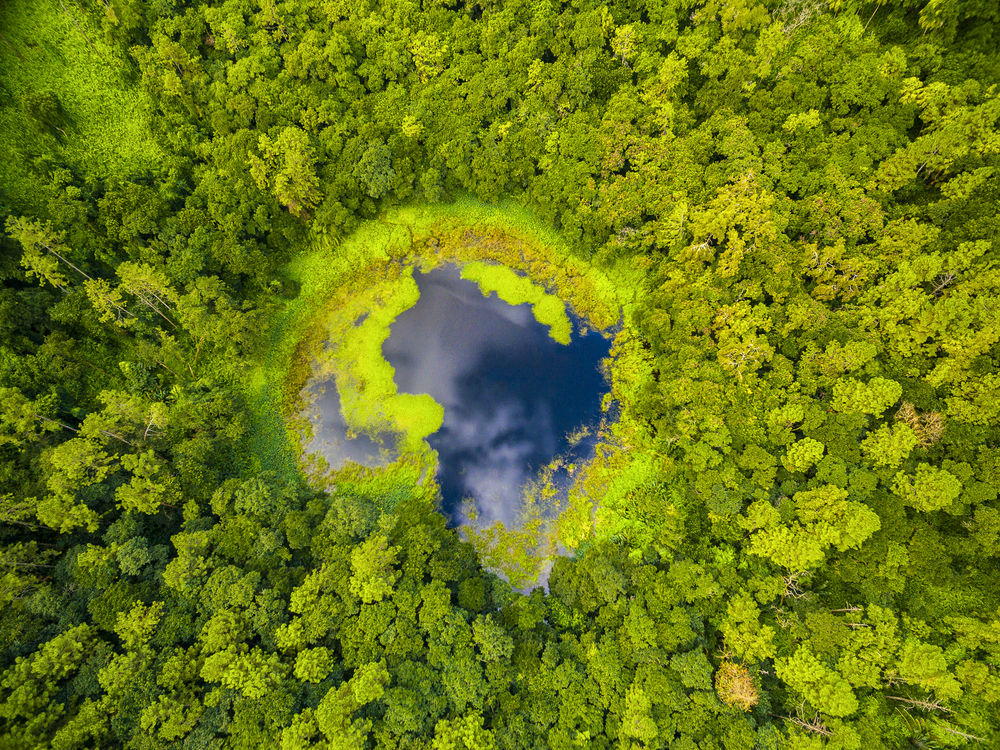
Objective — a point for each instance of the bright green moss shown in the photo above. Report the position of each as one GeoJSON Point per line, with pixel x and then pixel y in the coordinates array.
{"type": "Point", "coordinates": [365, 379]}
{"type": "Point", "coordinates": [549, 310]}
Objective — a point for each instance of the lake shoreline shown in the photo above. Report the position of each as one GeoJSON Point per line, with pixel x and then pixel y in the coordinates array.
{"type": "Point", "coordinates": [351, 292]}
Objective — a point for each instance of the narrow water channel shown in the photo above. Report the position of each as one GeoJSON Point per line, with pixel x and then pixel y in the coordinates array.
{"type": "Point", "coordinates": [511, 394]}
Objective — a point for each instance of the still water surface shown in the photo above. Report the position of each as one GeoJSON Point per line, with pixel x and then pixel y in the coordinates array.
{"type": "Point", "coordinates": [511, 394]}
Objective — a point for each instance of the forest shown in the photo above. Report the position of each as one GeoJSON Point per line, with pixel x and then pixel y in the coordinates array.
{"type": "Point", "coordinates": [786, 213]}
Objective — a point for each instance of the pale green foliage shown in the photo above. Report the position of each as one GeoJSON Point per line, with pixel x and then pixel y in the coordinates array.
{"type": "Point", "coordinates": [493, 641]}
{"type": "Point", "coordinates": [825, 518]}
{"type": "Point", "coordinates": [871, 651]}
{"type": "Point", "coordinates": [851, 522]}
{"type": "Point", "coordinates": [802, 120]}
{"type": "Point", "coordinates": [181, 668]}
{"type": "Point", "coordinates": [781, 423]}
{"type": "Point", "coordinates": [823, 687]}
{"type": "Point", "coordinates": [223, 629]}
{"type": "Point", "coordinates": [175, 714]}
{"type": "Point", "coordinates": [791, 547]}
{"type": "Point", "coordinates": [742, 329]}
{"type": "Point", "coordinates": [60, 513]}
{"type": "Point", "coordinates": [924, 664]}
{"type": "Point", "coordinates": [741, 216]}
{"type": "Point", "coordinates": [186, 572]}
{"type": "Point", "coordinates": [658, 92]}
{"type": "Point", "coordinates": [134, 555]}
{"type": "Point", "coordinates": [299, 734]}
{"type": "Point", "coordinates": [785, 416]}
{"type": "Point", "coordinates": [117, 676]}
{"type": "Point", "coordinates": [889, 446]}
{"type": "Point", "coordinates": [86, 729]}
{"type": "Point", "coordinates": [250, 671]}
{"type": "Point", "coordinates": [78, 463]}
{"type": "Point", "coordinates": [333, 715]}
{"type": "Point", "coordinates": [623, 44]}
{"type": "Point", "coordinates": [136, 627]}
{"type": "Point", "coordinates": [929, 489]}
{"type": "Point", "coordinates": [149, 286]}
{"type": "Point", "coordinates": [20, 419]}
{"type": "Point", "coordinates": [109, 303]}
{"type": "Point", "coordinates": [637, 721]}
{"type": "Point", "coordinates": [954, 129]}
{"type": "Point", "coordinates": [60, 656]}
{"type": "Point", "coordinates": [43, 249]}
{"type": "Point", "coordinates": [314, 664]}
{"type": "Point", "coordinates": [847, 357]}
{"type": "Point", "coordinates": [151, 485]}
{"type": "Point", "coordinates": [803, 454]}
{"type": "Point", "coordinates": [372, 564]}
{"type": "Point", "coordinates": [640, 628]}
{"type": "Point", "coordinates": [975, 633]}
{"type": "Point", "coordinates": [575, 521]}
{"type": "Point", "coordinates": [74, 465]}
{"type": "Point", "coordinates": [289, 167]}
{"type": "Point", "coordinates": [313, 602]}
{"type": "Point", "coordinates": [639, 508]}
{"type": "Point", "coordinates": [873, 397]}
{"type": "Point", "coordinates": [463, 733]}
{"type": "Point", "coordinates": [29, 685]}
{"type": "Point", "coordinates": [518, 553]}
{"type": "Point", "coordinates": [694, 669]}
{"type": "Point", "coordinates": [976, 677]}
{"type": "Point", "coordinates": [430, 54]}
{"type": "Point", "coordinates": [745, 636]}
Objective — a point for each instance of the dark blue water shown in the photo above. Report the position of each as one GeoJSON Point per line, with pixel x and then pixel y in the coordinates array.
{"type": "Point", "coordinates": [511, 394]}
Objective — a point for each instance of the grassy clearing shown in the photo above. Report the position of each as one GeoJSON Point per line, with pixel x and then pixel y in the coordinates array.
{"type": "Point", "coordinates": [102, 124]}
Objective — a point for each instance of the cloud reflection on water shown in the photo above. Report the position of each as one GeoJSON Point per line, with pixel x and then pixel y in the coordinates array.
{"type": "Point", "coordinates": [330, 433]}
{"type": "Point", "coordinates": [510, 393]}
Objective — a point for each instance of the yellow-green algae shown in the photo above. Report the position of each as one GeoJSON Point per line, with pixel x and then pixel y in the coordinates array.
{"type": "Point", "coordinates": [350, 293]}
{"type": "Point", "coordinates": [548, 309]}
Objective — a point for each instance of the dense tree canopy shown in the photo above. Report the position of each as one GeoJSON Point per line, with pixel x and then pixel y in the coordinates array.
{"type": "Point", "coordinates": [791, 533]}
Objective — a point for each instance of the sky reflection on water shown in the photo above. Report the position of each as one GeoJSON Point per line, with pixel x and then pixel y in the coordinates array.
{"type": "Point", "coordinates": [510, 393]}
{"type": "Point", "coordinates": [329, 431]}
